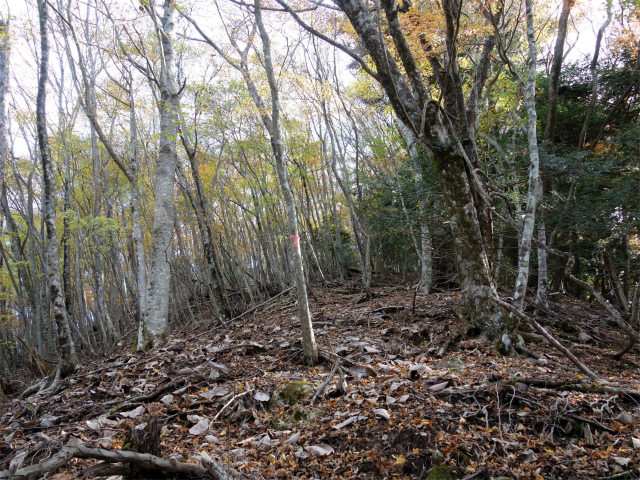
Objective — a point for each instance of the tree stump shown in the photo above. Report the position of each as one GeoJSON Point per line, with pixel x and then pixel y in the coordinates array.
{"type": "Point", "coordinates": [144, 438]}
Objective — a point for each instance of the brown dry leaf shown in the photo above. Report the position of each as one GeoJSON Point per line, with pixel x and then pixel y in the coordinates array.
{"type": "Point", "coordinates": [362, 371]}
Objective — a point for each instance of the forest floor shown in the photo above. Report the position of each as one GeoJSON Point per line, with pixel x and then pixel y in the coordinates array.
{"type": "Point", "coordinates": [410, 409]}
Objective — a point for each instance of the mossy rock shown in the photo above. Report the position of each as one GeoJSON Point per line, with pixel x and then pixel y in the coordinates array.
{"type": "Point", "coordinates": [443, 472]}
{"type": "Point", "coordinates": [293, 392]}
{"type": "Point", "coordinates": [461, 458]}
{"type": "Point", "coordinates": [298, 416]}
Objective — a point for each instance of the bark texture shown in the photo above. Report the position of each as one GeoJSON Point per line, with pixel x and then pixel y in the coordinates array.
{"type": "Point", "coordinates": [159, 279]}
{"type": "Point", "coordinates": [4, 88]}
{"type": "Point", "coordinates": [524, 253]}
{"type": "Point", "coordinates": [309, 346]}
{"type": "Point", "coordinates": [68, 358]}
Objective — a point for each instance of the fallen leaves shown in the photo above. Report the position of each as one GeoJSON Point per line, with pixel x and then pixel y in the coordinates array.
{"type": "Point", "coordinates": [215, 392]}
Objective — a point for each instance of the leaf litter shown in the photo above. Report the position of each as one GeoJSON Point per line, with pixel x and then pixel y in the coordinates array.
{"type": "Point", "coordinates": [406, 410]}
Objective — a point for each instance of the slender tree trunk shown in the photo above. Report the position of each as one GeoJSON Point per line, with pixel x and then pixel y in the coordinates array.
{"type": "Point", "coordinates": [5, 53]}
{"type": "Point", "coordinates": [364, 243]}
{"type": "Point", "coordinates": [549, 134]}
{"type": "Point", "coordinates": [528, 223]}
{"type": "Point", "coordinates": [554, 74]}
{"type": "Point", "coordinates": [618, 287]}
{"type": "Point", "coordinates": [159, 280]}
{"type": "Point", "coordinates": [201, 209]}
{"type": "Point", "coordinates": [308, 338]}
{"type": "Point", "coordinates": [68, 358]}
{"type": "Point", "coordinates": [136, 219]}
{"type": "Point", "coordinates": [66, 233]}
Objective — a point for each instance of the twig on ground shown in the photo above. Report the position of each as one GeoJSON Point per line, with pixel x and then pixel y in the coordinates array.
{"type": "Point", "coordinates": [233, 399]}
{"type": "Point", "coordinates": [570, 385]}
{"type": "Point", "coordinates": [322, 387]}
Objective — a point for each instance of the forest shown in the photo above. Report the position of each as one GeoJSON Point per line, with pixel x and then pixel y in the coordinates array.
{"type": "Point", "coordinates": [320, 239]}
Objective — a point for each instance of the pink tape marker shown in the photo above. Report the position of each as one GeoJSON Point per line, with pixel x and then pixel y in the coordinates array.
{"type": "Point", "coordinates": [296, 240]}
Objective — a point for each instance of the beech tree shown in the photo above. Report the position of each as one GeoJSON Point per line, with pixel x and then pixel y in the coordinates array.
{"type": "Point", "coordinates": [451, 145]}
{"type": "Point", "coordinates": [68, 357]}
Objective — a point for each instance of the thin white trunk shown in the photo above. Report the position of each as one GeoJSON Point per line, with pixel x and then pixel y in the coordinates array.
{"type": "Point", "coordinates": [309, 346]}
{"type": "Point", "coordinates": [4, 88]}
{"type": "Point", "coordinates": [543, 269]}
{"type": "Point", "coordinates": [68, 358]}
{"type": "Point", "coordinates": [528, 222]}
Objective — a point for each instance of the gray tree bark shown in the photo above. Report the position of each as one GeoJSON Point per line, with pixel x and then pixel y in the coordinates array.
{"type": "Point", "coordinates": [156, 326]}
{"type": "Point", "coordinates": [460, 184]}
{"type": "Point", "coordinates": [5, 53]}
{"type": "Point", "coordinates": [309, 346]}
{"type": "Point", "coordinates": [528, 223]}
{"type": "Point", "coordinates": [68, 358]}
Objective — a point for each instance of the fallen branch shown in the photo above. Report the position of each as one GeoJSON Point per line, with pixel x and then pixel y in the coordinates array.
{"type": "Point", "coordinates": [252, 309]}
{"type": "Point", "coordinates": [389, 309]}
{"type": "Point", "coordinates": [591, 422]}
{"type": "Point", "coordinates": [233, 399]}
{"type": "Point", "coordinates": [144, 398]}
{"type": "Point", "coordinates": [537, 356]}
{"type": "Point", "coordinates": [628, 329]}
{"type": "Point", "coordinates": [531, 321]}
{"type": "Point", "coordinates": [322, 387]}
{"type": "Point", "coordinates": [571, 385]}
{"type": "Point", "coordinates": [209, 467]}
{"type": "Point", "coordinates": [331, 357]}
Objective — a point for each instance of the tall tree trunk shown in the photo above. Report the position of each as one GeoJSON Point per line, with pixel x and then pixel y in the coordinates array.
{"type": "Point", "coordinates": [68, 358]}
{"type": "Point", "coordinates": [554, 74]}
{"type": "Point", "coordinates": [201, 209]}
{"type": "Point", "coordinates": [309, 346]}
{"type": "Point", "coordinates": [364, 243]}
{"type": "Point", "coordinates": [549, 134]}
{"type": "Point", "coordinates": [528, 223]}
{"type": "Point", "coordinates": [4, 88]}
{"type": "Point", "coordinates": [156, 327]}
{"type": "Point", "coordinates": [426, 251]}
{"type": "Point", "coordinates": [136, 219]}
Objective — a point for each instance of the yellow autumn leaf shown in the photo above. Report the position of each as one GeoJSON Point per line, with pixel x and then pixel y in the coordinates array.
{"type": "Point", "coordinates": [399, 459]}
